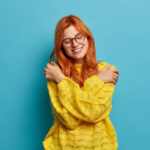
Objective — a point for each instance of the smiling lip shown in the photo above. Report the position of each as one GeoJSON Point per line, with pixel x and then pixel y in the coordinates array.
{"type": "Point", "coordinates": [74, 50]}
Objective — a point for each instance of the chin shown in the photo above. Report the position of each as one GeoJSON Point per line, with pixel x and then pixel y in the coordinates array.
{"type": "Point", "coordinates": [78, 57]}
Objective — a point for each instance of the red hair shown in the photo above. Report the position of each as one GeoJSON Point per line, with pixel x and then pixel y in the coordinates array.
{"type": "Point", "coordinates": [89, 66]}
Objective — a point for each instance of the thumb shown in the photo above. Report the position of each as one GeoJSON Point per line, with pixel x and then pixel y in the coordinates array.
{"type": "Point", "coordinates": [107, 67]}
{"type": "Point", "coordinates": [53, 63]}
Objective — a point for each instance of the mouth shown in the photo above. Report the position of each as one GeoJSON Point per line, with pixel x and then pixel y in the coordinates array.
{"type": "Point", "coordinates": [77, 50]}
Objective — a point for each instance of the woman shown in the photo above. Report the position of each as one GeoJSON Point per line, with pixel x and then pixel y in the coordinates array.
{"type": "Point", "coordinates": [81, 91]}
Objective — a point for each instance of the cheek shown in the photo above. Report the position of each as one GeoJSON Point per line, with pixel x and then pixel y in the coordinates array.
{"type": "Point", "coordinates": [67, 50]}
{"type": "Point", "coordinates": [86, 47]}
{"type": "Point", "coordinates": [86, 43]}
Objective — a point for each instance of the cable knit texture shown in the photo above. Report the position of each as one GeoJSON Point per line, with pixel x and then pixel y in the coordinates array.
{"type": "Point", "coordinates": [81, 114]}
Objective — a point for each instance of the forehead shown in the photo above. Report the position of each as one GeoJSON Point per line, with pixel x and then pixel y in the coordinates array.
{"type": "Point", "coordinates": [70, 32]}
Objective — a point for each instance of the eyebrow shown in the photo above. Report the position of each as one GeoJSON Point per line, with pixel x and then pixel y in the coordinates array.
{"type": "Point", "coordinates": [70, 38]}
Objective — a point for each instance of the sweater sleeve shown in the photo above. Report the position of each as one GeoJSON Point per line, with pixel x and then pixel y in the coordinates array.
{"type": "Point", "coordinates": [92, 103]}
{"type": "Point", "coordinates": [59, 112]}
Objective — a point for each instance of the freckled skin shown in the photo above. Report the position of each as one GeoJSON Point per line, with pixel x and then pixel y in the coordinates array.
{"type": "Point", "coordinates": [70, 32]}
{"type": "Point", "coordinates": [52, 73]}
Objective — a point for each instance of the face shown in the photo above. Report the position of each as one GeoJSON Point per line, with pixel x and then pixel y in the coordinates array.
{"type": "Point", "coordinates": [76, 49]}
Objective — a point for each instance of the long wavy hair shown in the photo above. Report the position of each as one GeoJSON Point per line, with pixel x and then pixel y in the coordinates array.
{"type": "Point", "coordinates": [89, 66]}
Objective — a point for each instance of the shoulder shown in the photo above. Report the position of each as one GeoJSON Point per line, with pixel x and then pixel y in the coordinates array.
{"type": "Point", "coordinates": [103, 64]}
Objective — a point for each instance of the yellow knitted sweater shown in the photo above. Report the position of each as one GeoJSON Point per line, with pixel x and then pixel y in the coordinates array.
{"type": "Point", "coordinates": [81, 115]}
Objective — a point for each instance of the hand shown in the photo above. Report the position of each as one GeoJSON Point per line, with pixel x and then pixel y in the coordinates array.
{"type": "Point", "coordinates": [108, 74]}
{"type": "Point", "coordinates": [53, 72]}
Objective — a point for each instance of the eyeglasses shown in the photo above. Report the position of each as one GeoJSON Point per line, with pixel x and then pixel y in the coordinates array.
{"type": "Point", "coordinates": [79, 38]}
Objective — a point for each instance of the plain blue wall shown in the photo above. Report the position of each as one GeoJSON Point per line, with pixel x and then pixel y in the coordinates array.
{"type": "Point", "coordinates": [121, 29]}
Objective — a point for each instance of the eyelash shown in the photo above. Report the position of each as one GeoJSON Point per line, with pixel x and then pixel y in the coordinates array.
{"type": "Point", "coordinates": [79, 36]}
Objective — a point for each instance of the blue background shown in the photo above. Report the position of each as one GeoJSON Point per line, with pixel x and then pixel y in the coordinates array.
{"type": "Point", "coordinates": [121, 29]}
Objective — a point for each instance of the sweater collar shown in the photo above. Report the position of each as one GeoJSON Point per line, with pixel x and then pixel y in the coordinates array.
{"type": "Point", "coordinates": [77, 65]}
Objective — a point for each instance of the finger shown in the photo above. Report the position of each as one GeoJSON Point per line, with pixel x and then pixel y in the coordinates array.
{"type": "Point", "coordinates": [45, 69]}
{"type": "Point", "coordinates": [56, 64]}
{"type": "Point", "coordinates": [47, 65]}
{"type": "Point", "coordinates": [53, 63]}
{"type": "Point", "coordinates": [115, 70]}
{"type": "Point", "coordinates": [116, 78]}
{"type": "Point", "coordinates": [107, 67]}
{"type": "Point", "coordinates": [115, 74]}
{"type": "Point", "coordinates": [44, 73]}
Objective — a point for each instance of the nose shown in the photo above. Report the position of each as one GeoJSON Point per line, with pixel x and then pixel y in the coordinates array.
{"type": "Point", "coordinates": [74, 43]}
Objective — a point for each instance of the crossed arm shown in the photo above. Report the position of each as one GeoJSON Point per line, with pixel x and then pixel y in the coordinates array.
{"type": "Point", "coordinates": [73, 105]}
